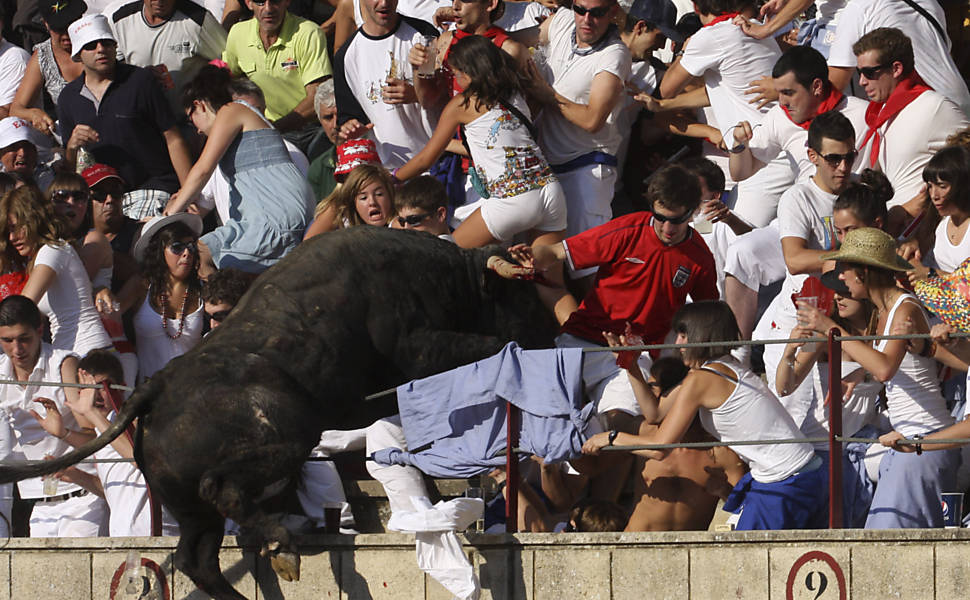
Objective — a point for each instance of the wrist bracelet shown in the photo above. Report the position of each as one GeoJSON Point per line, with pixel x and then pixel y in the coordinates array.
{"type": "Point", "coordinates": [738, 149]}
{"type": "Point", "coordinates": [918, 446]}
{"type": "Point", "coordinates": [612, 436]}
{"type": "Point", "coordinates": [67, 432]}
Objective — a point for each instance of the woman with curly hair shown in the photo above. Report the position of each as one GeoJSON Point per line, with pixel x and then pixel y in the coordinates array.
{"type": "Point", "coordinates": [57, 280]}
{"type": "Point", "coordinates": [169, 317]}
{"type": "Point", "coordinates": [365, 198]}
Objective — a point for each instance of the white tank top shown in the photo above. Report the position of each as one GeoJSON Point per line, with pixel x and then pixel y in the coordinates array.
{"type": "Point", "coordinates": [506, 156]}
{"type": "Point", "coordinates": [358, 17]}
{"type": "Point", "coordinates": [858, 408]}
{"type": "Point", "coordinates": [154, 346]}
{"type": "Point", "coordinates": [752, 412]}
{"type": "Point", "coordinates": [913, 396]}
{"type": "Point", "coordinates": [948, 256]}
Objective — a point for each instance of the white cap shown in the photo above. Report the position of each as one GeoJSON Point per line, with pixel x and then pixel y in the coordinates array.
{"type": "Point", "coordinates": [13, 130]}
{"type": "Point", "coordinates": [88, 29]}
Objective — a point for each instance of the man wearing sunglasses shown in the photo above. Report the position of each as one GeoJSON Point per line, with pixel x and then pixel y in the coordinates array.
{"type": "Point", "coordinates": [119, 113]}
{"type": "Point", "coordinates": [807, 231]}
{"type": "Point", "coordinates": [174, 38]}
{"type": "Point", "coordinates": [586, 64]}
{"type": "Point", "coordinates": [422, 204]}
{"type": "Point", "coordinates": [906, 121]}
{"type": "Point", "coordinates": [647, 264]}
{"type": "Point", "coordinates": [286, 56]}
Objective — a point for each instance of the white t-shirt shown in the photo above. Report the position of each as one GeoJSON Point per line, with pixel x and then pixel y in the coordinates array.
{"type": "Point", "coordinates": [777, 133]}
{"type": "Point", "coordinates": [185, 43]}
{"type": "Point", "coordinates": [949, 256]}
{"type": "Point", "coordinates": [804, 212]}
{"type": "Point", "coordinates": [68, 302]}
{"type": "Point", "coordinates": [31, 441]}
{"type": "Point", "coordinates": [729, 61]}
{"type": "Point", "coordinates": [930, 51]}
{"type": "Point", "coordinates": [420, 9]}
{"type": "Point", "coordinates": [215, 194]}
{"type": "Point", "coordinates": [360, 68]}
{"type": "Point", "coordinates": [522, 15]}
{"type": "Point", "coordinates": [13, 63]}
{"type": "Point", "coordinates": [571, 75]}
{"type": "Point", "coordinates": [911, 138]}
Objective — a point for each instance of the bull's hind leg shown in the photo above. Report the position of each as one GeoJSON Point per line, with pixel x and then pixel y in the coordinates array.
{"type": "Point", "coordinates": [197, 555]}
{"type": "Point", "coordinates": [233, 487]}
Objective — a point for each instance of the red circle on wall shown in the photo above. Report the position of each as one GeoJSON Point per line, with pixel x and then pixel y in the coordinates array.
{"type": "Point", "coordinates": [151, 582]}
{"type": "Point", "coordinates": [820, 556]}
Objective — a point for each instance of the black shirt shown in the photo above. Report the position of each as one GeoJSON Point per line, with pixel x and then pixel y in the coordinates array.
{"type": "Point", "coordinates": [130, 120]}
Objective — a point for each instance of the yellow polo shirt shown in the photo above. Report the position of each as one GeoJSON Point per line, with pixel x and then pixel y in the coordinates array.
{"type": "Point", "coordinates": [296, 59]}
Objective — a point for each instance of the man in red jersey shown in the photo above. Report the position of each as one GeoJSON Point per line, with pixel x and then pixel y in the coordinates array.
{"type": "Point", "coordinates": [649, 262]}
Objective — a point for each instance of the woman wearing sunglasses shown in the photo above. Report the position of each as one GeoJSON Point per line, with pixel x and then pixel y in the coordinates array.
{"type": "Point", "coordinates": [269, 197]}
{"type": "Point", "coordinates": [57, 280]}
{"type": "Point", "coordinates": [169, 316]}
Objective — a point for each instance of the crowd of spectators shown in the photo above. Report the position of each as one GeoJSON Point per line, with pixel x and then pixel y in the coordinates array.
{"type": "Point", "coordinates": [665, 170]}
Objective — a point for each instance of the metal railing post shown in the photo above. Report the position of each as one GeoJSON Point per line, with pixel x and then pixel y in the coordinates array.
{"type": "Point", "coordinates": [511, 468]}
{"type": "Point", "coordinates": [835, 430]}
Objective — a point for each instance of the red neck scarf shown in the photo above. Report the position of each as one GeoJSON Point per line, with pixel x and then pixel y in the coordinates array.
{"type": "Point", "coordinates": [496, 34]}
{"type": "Point", "coordinates": [831, 101]}
{"type": "Point", "coordinates": [723, 17]}
{"type": "Point", "coordinates": [908, 89]}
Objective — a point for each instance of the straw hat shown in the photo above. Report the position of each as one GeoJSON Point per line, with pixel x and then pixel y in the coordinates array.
{"type": "Point", "coordinates": [869, 246]}
{"type": "Point", "coordinates": [948, 296]}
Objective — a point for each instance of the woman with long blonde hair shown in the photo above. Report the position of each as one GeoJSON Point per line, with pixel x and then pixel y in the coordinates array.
{"type": "Point", "coordinates": [365, 198]}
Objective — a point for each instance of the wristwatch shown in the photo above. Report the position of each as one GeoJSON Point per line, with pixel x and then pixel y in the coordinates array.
{"type": "Point", "coordinates": [613, 434]}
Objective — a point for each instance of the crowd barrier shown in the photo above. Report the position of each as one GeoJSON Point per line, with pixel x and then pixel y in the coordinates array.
{"type": "Point", "coordinates": [512, 452]}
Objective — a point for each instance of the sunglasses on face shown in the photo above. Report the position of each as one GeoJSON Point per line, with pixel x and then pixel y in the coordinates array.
{"type": "Point", "coordinates": [412, 220]}
{"type": "Point", "coordinates": [62, 196]}
{"type": "Point", "coordinates": [674, 220]}
{"type": "Point", "coordinates": [92, 46]}
{"type": "Point", "coordinates": [262, 2]}
{"type": "Point", "coordinates": [177, 248]}
{"type": "Point", "coordinates": [219, 316]}
{"type": "Point", "coordinates": [597, 13]}
{"type": "Point", "coordinates": [871, 72]}
{"type": "Point", "coordinates": [102, 194]}
{"type": "Point", "coordinates": [835, 160]}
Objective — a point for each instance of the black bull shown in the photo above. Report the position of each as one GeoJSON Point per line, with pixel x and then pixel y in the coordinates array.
{"type": "Point", "coordinates": [345, 315]}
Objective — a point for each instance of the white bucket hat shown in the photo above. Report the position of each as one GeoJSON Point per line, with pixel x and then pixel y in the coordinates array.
{"type": "Point", "coordinates": [88, 29]}
{"type": "Point", "coordinates": [153, 226]}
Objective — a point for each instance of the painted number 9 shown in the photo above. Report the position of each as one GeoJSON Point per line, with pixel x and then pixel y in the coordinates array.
{"type": "Point", "coordinates": [823, 583]}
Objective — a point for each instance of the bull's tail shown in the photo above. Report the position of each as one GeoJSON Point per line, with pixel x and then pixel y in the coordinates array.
{"type": "Point", "coordinates": [138, 404]}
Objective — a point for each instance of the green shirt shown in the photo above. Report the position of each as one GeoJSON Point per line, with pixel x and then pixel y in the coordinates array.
{"type": "Point", "coordinates": [320, 174]}
{"type": "Point", "coordinates": [296, 59]}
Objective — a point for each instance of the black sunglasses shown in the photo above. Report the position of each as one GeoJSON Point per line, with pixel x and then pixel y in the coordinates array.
{"type": "Point", "coordinates": [871, 72]}
{"type": "Point", "coordinates": [413, 220]}
{"type": "Point", "coordinates": [219, 316]}
{"type": "Point", "coordinates": [177, 248]}
{"type": "Point", "coordinates": [92, 46]}
{"type": "Point", "coordinates": [835, 160]}
{"type": "Point", "coordinates": [687, 216]}
{"type": "Point", "coordinates": [116, 191]}
{"type": "Point", "coordinates": [61, 196]}
{"type": "Point", "coordinates": [262, 2]}
{"type": "Point", "coordinates": [597, 13]}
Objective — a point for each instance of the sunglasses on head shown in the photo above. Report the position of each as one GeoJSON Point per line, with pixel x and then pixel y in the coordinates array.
{"type": "Point", "coordinates": [871, 72]}
{"type": "Point", "coordinates": [92, 46]}
{"type": "Point", "coordinates": [597, 13]}
{"type": "Point", "coordinates": [413, 220]}
{"type": "Point", "coordinates": [687, 216]}
{"type": "Point", "coordinates": [62, 196]}
{"type": "Point", "coordinates": [219, 316]}
{"type": "Point", "coordinates": [178, 248]}
{"type": "Point", "coordinates": [835, 160]}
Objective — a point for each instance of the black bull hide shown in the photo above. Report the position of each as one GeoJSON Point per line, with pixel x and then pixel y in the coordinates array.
{"type": "Point", "coordinates": [345, 315]}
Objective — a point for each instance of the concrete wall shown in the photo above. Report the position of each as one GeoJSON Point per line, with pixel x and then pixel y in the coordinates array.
{"type": "Point", "coordinates": [823, 565]}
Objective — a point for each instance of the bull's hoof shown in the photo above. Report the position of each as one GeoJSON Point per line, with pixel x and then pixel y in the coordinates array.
{"type": "Point", "coordinates": [286, 565]}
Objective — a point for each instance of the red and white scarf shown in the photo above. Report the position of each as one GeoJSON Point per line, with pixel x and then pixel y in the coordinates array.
{"type": "Point", "coordinates": [908, 89]}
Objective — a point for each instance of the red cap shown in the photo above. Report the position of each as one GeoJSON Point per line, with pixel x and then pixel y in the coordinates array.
{"type": "Point", "coordinates": [97, 173]}
{"type": "Point", "coordinates": [353, 153]}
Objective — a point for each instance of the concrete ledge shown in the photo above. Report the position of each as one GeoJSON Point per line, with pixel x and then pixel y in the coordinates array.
{"type": "Point", "coordinates": [819, 565]}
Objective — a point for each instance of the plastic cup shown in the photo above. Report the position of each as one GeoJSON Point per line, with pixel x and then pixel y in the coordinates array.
{"type": "Point", "coordinates": [952, 509]}
{"type": "Point", "coordinates": [331, 516]}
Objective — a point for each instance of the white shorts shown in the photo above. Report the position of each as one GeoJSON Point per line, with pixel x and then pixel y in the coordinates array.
{"type": "Point", "coordinates": [589, 201]}
{"type": "Point", "coordinates": [81, 516]}
{"type": "Point", "coordinates": [756, 198]}
{"type": "Point", "coordinates": [606, 384]}
{"type": "Point", "coordinates": [543, 209]}
{"type": "Point", "coordinates": [755, 259]}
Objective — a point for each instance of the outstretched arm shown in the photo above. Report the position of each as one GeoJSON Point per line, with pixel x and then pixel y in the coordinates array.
{"type": "Point", "coordinates": [451, 118]}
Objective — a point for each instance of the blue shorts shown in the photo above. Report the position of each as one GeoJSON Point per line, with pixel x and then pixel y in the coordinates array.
{"type": "Point", "coordinates": [799, 502]}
